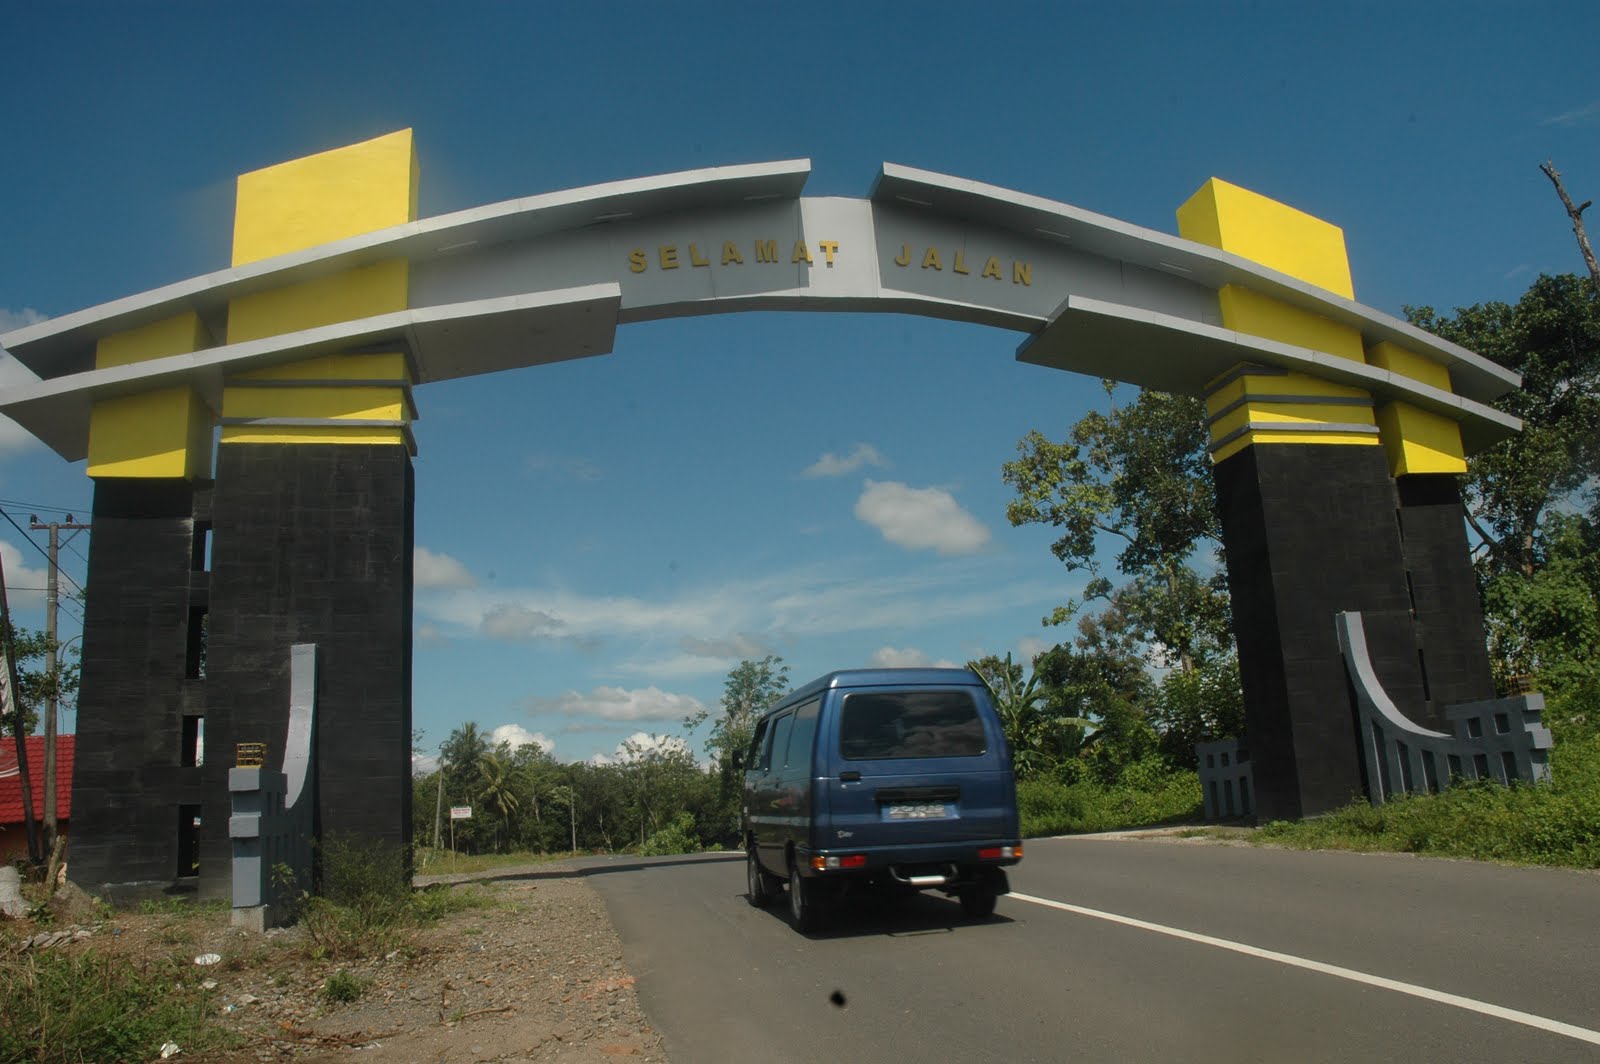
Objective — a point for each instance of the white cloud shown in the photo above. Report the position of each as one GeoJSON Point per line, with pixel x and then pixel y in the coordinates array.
{"type": "Point", "coordinates": [737, 645]}
{"type": "Point", "coordinates": [678, 665]}
{"type": "Point", "coordinates": [422, 764]}
{"type": "Point", "coordinates": [563, 468]}
{"type": "Point", "coordinates": [439, 570]}
{"type": "Point", "coordinates": [429, 633]}
{"type": "Point", "coordinates": [511, 621]}
{"type": "Point", "coordinates": [770, 610]}
{"type": "Point", "coordinates": [11, 320]}
{"type": "Point", "coordinates": [1030, 647]}
{"type": "Point", "coordinates": [1588, 114]}
{"type": "Point", "coordinates": [906, 658]}
{"type": "Point", "coordinates": [920, 518]}
{"type": "Point", "coordinates": [516, 735]}
{"type": "Point", "coordinates": [618, 703]}
{"type": "Point", "coordinates": [832, 465]}
{"type": "Point", "coordinates": [20, 576]}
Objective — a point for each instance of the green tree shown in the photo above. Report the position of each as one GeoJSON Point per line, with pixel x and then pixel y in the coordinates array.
{"type": "Point", "coordinates": [751, 689]}
{"type": "Point", "coordinates": [498, 788]}
{"type": "Point", "coordinates": [1039, 735]}
{"type": "Point", "coordinates": [1190, 707]}
{"type": "Point", "coordinates": [1547, 623]}
{"type": "Point", "coordinates": [1552, 337]}
{"type": "Point", "coordinates": [35, 682]}
{"type": "Point", "coordinates": [1138, 473]}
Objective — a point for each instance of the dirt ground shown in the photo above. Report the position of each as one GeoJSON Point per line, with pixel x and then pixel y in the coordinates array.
{"type": "Point", "coordinates": [533, 973]}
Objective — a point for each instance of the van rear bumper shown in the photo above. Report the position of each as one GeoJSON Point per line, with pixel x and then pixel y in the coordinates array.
{"type": "Point", "coordinates": [880, 860]}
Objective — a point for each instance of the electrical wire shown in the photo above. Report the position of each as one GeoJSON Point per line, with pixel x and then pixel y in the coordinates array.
{"type": "Point", "coordinates": [38, 548]}
{"type": "Point", "coordinates": [44, 506]}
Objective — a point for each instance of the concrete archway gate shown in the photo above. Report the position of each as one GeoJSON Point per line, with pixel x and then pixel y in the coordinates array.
{"type": "Point", "coordinates": [1337, 431]}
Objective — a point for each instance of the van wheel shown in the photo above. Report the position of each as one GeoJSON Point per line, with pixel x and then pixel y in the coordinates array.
{"type": "Point", "coordinates": [761, 887]}
{"type": "Point", "coordinates": [977, 900]}
{"type": "Point", "coordinates": [805, 909]}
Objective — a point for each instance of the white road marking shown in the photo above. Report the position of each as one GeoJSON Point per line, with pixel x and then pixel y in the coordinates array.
{"type": "Point", "coordinates": [1582, 1034]}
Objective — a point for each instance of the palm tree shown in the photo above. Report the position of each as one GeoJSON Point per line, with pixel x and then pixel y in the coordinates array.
{"type": "Point", "coordinates": [499, 791]}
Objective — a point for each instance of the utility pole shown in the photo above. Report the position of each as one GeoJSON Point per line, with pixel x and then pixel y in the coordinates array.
{"type": "Point", "coordinates": [51, 664]}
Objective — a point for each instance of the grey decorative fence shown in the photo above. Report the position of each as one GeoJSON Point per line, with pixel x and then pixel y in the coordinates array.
{"type": "Point", "coordinates": [1225, 779]}
{"type": "Point", "coordinates": [271, 826]}
{"type": "Point", "coordinates": [1498, 739]}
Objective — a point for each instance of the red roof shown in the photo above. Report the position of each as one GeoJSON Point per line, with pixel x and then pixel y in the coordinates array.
{"type": "Point", "coordinates": [11, 779]}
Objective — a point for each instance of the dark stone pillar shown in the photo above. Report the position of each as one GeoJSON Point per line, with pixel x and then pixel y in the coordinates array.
{"type": "Point", "coordinates": [314, 545]}
{"type": "Point", "coordinates": [134, 780]}
{"type": "Point", "coordinates": [1444, 592]}
{"type": "Point", "coordinates": [1311, 530]}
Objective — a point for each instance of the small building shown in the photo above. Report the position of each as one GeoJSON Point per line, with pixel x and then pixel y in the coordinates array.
{"type": "Point", "coordinates": [13, 831]}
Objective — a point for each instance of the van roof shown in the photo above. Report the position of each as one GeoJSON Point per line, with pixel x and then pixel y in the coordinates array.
{"type": "Point", "coordinates": [880, 678]}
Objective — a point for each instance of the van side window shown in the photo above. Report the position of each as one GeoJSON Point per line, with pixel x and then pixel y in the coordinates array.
{"type": "Point", "coordinates": [887, 725]}
{"type": "Point", "coordinates": [752, 758]}
{"type": "Point", "coordinates": [798, 755]}
{"type": "Point", "coordinates": [778, 739]}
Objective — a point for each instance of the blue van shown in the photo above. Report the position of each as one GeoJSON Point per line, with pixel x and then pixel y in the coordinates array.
{"type": "Point", "coordinates": [894, 779]}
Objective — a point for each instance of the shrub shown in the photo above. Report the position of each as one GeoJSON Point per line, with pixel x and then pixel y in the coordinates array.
{"type": "Point", "coordinates": [342, 987]}
{"type": "Point", "coordinates": [1147, 792]}
{"type": "Point", "coordinates": [1552, 823]}
{"type": "Point", "coordinates": [65, 1007]}
{"type": "Point", "coordinates": [677, 837]}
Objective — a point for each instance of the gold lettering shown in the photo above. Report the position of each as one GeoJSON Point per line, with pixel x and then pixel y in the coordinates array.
{"type": "Point", "coordinates": [960, 265]}
{"type": "Point", "coordinates": [730, 253]}
{"type": "Point", "coordinates": [801, 253]}
{"type": "Point", "coordinates": [695, 259]}
{"type": "Point", "coordinates": [931, 258]}
{"type": "Point", "coordinates": [636, 261]}
{"type": "Point", "coordinates": [669, 257]}
{"type": "Point", "coordinates": [766, 251]}
{"type": "Point", "coordinates": [828, 248]}
{"type": "Point", "coordinates": [992, 269]}
{"type": "Point", "coordinates": [1022, 273]}
{"type": "Point", "coordinates": [904, 258]}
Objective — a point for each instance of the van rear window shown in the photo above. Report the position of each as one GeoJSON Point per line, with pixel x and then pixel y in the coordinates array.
{"type": "Point", "coordinates": [890, 725]}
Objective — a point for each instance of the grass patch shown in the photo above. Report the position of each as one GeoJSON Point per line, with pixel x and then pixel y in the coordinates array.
{"type": "Point", "coordinates": [444, 863]}
{"type": "Point", "coordinates": [65, 1007]}
{"type": "Point", "coordinates": [1552, 823]}
{"type": "Point", "coordinates": [1147, 794]}
{"type": "Point", "coordinates": [342, 987]}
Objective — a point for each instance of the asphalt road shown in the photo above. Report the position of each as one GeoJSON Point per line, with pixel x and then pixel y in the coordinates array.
{"type": "Point", "coordinates": [1188, 951]}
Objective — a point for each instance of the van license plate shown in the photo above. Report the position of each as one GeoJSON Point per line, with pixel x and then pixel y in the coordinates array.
{"type": "Point", "coordinates": [917, 811]}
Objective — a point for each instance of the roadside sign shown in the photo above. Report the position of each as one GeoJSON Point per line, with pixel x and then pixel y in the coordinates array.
{"type": "Point", "coordinates": [461, 812]}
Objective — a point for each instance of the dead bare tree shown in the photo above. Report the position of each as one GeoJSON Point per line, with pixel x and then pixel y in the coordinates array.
{"type": "Point", "coordinates": [1576, 214]}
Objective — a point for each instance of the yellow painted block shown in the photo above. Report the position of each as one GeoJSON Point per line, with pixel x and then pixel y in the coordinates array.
{"type": "Point", "coordinates": [310, 434]}
{"type": "Point", "coordinates": [160, 434]}
{"type": "Point", "coordinates": [1396, 359]}
{"type": "Point", "coordinates": [369, 404]}
{"type": "Point", "coordinates": [1275, 384]}
{"type": "Point", "coordinates": [1247, 311]}
{"type": "Point", "coordinates": [177, 335]}
{"type": "Point", "coordinates": [1302, 438]}
{"type": "Point", "coordinates": [381, 288]}
{"type": "Point", "coordinates": [1297, 413]}
{"type": "Point", "coordinates": [1420, 441]}
{"type": "Point", "coordinates": [1250, 225]}
{"type": "Point", "coordinates": [325, 197]}
{"type": "Point", "coordinates": [360, 367]}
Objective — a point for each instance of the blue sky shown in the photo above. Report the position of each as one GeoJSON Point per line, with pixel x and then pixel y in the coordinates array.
{"type": "Point", "coordinates": [603, 539]}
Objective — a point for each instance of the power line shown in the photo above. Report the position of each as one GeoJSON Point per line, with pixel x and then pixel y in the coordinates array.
{"type": "Point", "coordinates": [36, 546]}
{"type": "Point", "coordinates": [44, 506]}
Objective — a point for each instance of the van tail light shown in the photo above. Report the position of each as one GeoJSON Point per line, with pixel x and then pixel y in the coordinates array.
{"type": "Point", "coordinates": [999, 853]}
{"type": "Point", "coordinates": [829, 864]}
